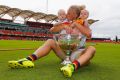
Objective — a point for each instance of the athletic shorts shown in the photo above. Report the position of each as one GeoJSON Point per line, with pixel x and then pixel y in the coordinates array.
{"type": "Point", "coordinates": [76, 54]}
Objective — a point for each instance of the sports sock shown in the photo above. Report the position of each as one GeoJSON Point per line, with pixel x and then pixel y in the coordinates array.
{"type": "Point", "coordinates": [32, 57]}
{"type": "Point", "coordinates": [76, 64]}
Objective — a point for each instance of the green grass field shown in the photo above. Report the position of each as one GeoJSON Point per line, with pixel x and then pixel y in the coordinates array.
{"type": "Point", "coordinates": [104, 66]}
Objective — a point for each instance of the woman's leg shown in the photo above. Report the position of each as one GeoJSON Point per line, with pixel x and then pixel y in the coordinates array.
{"type": "Point", "coordinates": [49, 45]}
{"type": "Point", "coordinates": [40, 52]}
{"type": "Point", "coordinates": [82, 60]}
{"type": "Point", "coordinates": [86, 56]}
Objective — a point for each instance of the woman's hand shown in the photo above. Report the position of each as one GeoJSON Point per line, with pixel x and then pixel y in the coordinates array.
{"type": "Point", "coordinates": [68, 29]}
{"type": "Point", "coordinates": [57, 27]}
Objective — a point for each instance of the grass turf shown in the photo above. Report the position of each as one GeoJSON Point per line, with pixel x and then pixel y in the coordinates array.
{"type": "Point", "coordinates": [104, 66]}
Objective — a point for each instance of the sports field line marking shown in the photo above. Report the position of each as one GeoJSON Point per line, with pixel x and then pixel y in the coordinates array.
{"type": "Point", "coordinates": [17, 49]}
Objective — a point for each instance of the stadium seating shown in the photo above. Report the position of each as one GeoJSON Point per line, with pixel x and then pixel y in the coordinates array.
{"type": "Point", "coordinates": [29, 31]}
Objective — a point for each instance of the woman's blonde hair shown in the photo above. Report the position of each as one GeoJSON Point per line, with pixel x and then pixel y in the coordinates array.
{"type": "Point", "coordinates": [76, 8]}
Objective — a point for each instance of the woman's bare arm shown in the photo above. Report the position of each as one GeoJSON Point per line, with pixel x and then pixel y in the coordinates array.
{"type": "Point", "coordinates": [57, 27]}
{"type": "Point", "coordinates": [83, 29]}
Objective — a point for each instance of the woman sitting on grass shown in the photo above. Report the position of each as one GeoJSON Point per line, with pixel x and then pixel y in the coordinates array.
{"type": "Point", "coordinates": [81, 56]}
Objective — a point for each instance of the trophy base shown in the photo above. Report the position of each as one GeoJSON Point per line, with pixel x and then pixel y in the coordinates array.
{"type": "Point", "coordinates": [66, 61]}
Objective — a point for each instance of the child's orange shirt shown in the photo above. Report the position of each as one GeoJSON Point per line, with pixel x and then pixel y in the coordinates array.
{"type": "Point", "coordinates": [80, 21]}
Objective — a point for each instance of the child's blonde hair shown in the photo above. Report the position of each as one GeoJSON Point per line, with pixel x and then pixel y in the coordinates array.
{"type": "Point", "coordinates": [82, 7]}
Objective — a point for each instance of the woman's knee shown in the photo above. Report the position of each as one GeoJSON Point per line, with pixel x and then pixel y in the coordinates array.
{"type": "Point", "coordinates": [92, 48]}
{"type": "Point", "coordinates": [50, 41]}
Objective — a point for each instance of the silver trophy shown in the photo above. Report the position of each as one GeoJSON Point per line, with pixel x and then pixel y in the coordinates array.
{"type": "Point", "coordinates": [68, 43]}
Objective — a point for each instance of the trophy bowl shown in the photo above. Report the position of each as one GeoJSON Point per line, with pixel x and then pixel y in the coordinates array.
{"type": "Point", "coordinates": [68, 43]}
